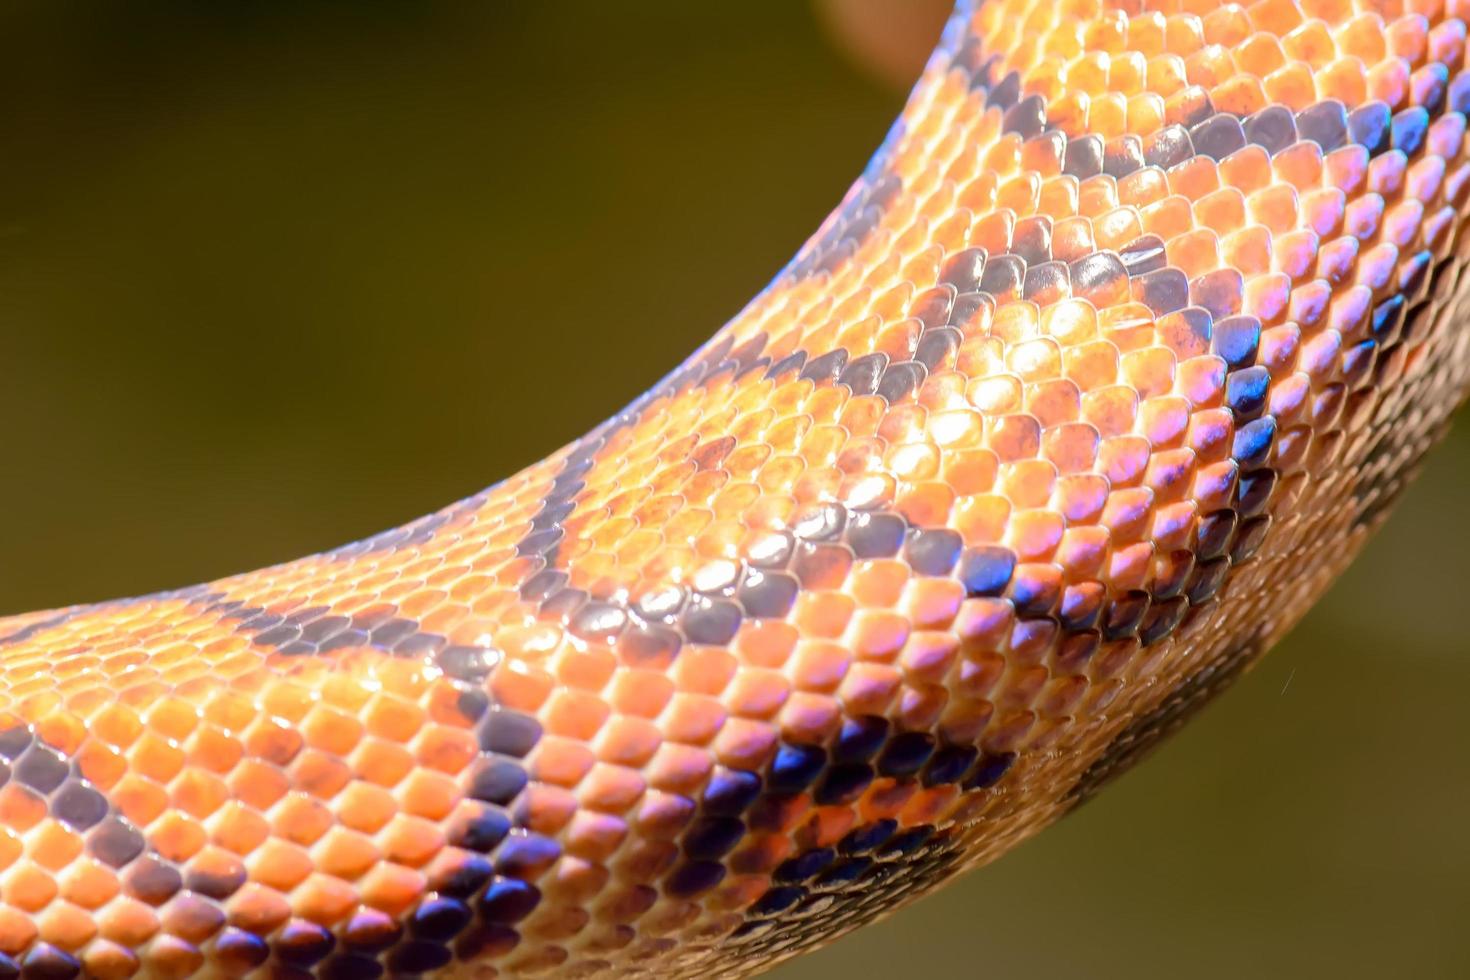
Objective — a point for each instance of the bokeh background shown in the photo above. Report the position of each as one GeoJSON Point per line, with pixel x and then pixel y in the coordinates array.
{"type": "Point", "coordinates": [273, 277]}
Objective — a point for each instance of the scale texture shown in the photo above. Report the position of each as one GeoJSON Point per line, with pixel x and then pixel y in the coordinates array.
{"type": "Point", "coordinates": [1110, 361]}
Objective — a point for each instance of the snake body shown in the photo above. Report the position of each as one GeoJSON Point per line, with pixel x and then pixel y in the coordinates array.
{"type": "Point", "coordinates": [1101, 372]}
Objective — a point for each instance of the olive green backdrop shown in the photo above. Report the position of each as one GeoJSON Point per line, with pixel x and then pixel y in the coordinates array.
{"type": "Point", "coordinates": [275, 277]}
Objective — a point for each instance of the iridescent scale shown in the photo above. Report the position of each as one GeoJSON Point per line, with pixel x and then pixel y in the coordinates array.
{"type": "Point", "coordinates": [1100, 374]}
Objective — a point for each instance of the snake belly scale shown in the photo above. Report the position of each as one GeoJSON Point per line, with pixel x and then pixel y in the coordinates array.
{"type": "Point", "coordinates": [1115, 354]}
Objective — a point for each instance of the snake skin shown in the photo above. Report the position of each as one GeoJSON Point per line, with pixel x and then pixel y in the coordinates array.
{"type": "Point", "coordinates": [1116, 353]}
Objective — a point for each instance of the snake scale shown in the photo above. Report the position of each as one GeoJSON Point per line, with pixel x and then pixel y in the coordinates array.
{"type": "Point", "coordinates": [1121, 346]}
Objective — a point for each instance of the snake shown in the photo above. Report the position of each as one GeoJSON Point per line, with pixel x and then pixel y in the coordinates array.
{"type": "Point", "coordinates": [1123, 343]}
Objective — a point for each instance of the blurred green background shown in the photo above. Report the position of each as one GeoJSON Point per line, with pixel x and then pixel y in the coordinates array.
{"type": "Point", "coordinates": [275, 277]}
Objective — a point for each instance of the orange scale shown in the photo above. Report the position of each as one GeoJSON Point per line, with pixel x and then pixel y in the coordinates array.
{"type": "Point", "coordinates": [1069, 448]}
{"type": "Point", "coordinates": [1091, 365]}
{"type": "Point", "coordinates": [981, 519]}
{"type": "Point", "coordinates": [1035, 534]}
{"type": "Point", "coordinates": [29, 889]}
{"type": "Point", "coordinates": [1169, 474]}
{"type": "Point", "coordinates": [176, 836]}
{"type": "Point", "coordinates": [1035, 359]}
{"type": "Point", "coordinates": [970, 471]}
{"type": "Point", "coordinates": [925, 504]}
{"type": "Point", "coordinates": [919, 707]}
{"type": "Point", "coordinates": [1043, 154]}
{"type": "Point", "coordinates": [1292, 448]}
{"type": "Point", "coordinates": [1071, 240]}
{"type": "Point", "coordinates": [913, 462]}
{"type": "Point", "coordinates": [16, 932]}
{"type": "Point", "coordinates": [1053, 402]}
{"type": "Point", "coordinates": [878, 582]}
{"type": "Point", "coordinates": [1081, 552]}
{"type": "Point", "coordinates": [1267, 297]}
{"type": "Point", "coordinates": [239, 828]}
{"type": "Point", "coordinates": [951, 233]}
{"type": "Point", "coordinates": [1210, 66]}
{"type": "Point", "coordinates": [628, 741]}
{"type": "Point", "coordinates": [757, 693]}
{"type": "Point", "coordinates": [1028, 483]}
{"type": "Point", "coordinates": [903, 423]}
{"type": "Point", "coordinates": [1424, 179]}
{"type": "Point", "coordinates": [1214, 483]}
{"type": "Point", "coordinates": [996, 395]}
{"type": "Point", "coordinates": [1123, 459]}
{"type": "Point", "coordinates": [1185, 105]}
{"type": "Point", "coordinates": [1111, 410]}
{"type": "Point", "coordinates": [168, 956]}
{"type": "Point", "coordinates": [1222, 211]}
{"type": "Point", "coordinates": [1183, 334]}
{"type": "Point", "coordinates": [1064, 324]}
{"type": "Point", "coordinates": [1106, 29]}
{"type": "Point", "coordinates": [718, 547]}
{"type": "Point", "coordinates": [869, 688]}
{"type": "Point", "coordinates": [978, 194]}
{"type": "Point", "coordinates": [820, 666]}
{"type": "Point", "coordinates": [683, 768]}
{"type": "Point", "coordinates": [692, 719]}
{"type": "Point", "coordinates": [1016, 322]}
{"type": "Point", "coordinates": [1013, 437]}
{"type": "Point", "coordinates": [156, 758]}
{"type": "Point", "coordinates": [1145, 32]}
{"type": "Point", "coordinates": [1098, 195]}
{"type": "Point", "coordinates": [928, 656]}
{"type": "Point", "coordinates": [1058, 197]}
{"type": "Point", "coordinates": [890, 305]}
{"type": "Point", "coordinates": [331, 731]}
{"type": "Point", "coordinates": [1174, 526]}
{"type": "Point", "coordinates": [1343, 79]}
{"type": "Point", "coordinates": [1407, 38]}
{"type": "Point", "coordinates": [1107, 115]}
{"type": "Point", "coordinates": [1248, 250]}
{"type": "Point", "coordinates": [1168, 218]}
{"type": "Point", "coordinates": [101, 764]}
{"type": "Point", "coordinates": [11, 848]}
{"type": "Point", "coordinates": [1226, 24]}
{"type": "Point", "coordinates": [1446, 44]}
{"type": "Point", "coordinates": [1020, 193]}
{"type": "Point", "coordinates": [139, 799]}
{"type": "Point", "coordinates": [1150, 371]}
{"type": "Point", "coordinates": [692, 520]}
{"type": "Point", "coordinates": [1128, 332]}
{"type": "Point", "coordinates": [1129, 568]}
{"type": "Point", "coordinates": [863, 414]}
{"type": "Point", "coordinates": [1145, 112]}
{"type": "Point", "coordinates": [981, 356]}
{"type": "Point", "coordinates": [1163, 421]}
{"type": "Point", "coordinates": [107, 960]}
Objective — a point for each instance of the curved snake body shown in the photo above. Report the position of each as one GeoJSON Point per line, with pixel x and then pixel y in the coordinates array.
{"type": "Point", "coordinates": [1098, 376]}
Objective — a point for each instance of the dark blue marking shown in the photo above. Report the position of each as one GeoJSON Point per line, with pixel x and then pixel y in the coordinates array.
{"type": "Point", "coordinates": [1236, 339]}
{"type": "Point", "coordinates": [843, 783]}
{"type": "Point", "coordinates": [508, 900]}
{"type": "Point", "coordinates": [694, 878]}
{"type": "Point", "coordinates": [804, 866]}
{"type": "Point", "coordinates": [906, 753]}
{"type": "Point", "coordinates": [731, 791]}
{"type": "Point", "coordinates": [860, 738]}
{"type": "Point", "coordinates": [1246, 391]}
{"type": "Point", "coordinates": [869, 837]}
{"type": "Point", "coordinates": [439, 919]}
{"type": "Point", "coordinates": [1253, 442]}
{"type": "Point", "coordinates": [795, 767]}
{"type": "Point", "coordinates": [986, 571]}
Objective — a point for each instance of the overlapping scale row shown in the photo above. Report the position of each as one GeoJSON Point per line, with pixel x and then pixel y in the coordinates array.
{"type": "Point", "coordinates": [1105, 367]}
